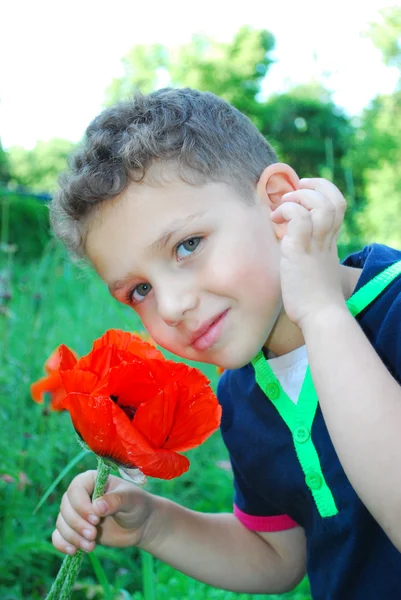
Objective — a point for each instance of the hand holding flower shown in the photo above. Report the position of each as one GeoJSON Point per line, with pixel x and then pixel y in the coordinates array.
{"type": "Point", "coordinates": [123, 523]}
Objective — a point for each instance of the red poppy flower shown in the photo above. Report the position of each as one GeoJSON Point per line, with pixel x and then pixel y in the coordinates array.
{"type": "Point", "coordinates": [134, 407]}
{"type": "Point", "coordinates": [52, 383]}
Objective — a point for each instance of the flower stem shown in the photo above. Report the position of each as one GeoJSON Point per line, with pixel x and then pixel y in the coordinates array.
{"type": "Point", "coordinates": [62, 585]}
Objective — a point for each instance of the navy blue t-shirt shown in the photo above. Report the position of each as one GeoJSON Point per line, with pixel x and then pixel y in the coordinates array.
{"type": "Point", "coordinates": [349, 557]}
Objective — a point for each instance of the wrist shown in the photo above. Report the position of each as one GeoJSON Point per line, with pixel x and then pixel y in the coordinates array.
{"type": "Point", "coordinates": [329, 317]}
{"type": "Point", "coordinates": [157, 525]}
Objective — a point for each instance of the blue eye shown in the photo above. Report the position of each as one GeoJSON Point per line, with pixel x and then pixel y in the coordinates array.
{"type": "Point", "coordinates": [140, 292]}
{"type": "Point", "coordinates": [187, 247]}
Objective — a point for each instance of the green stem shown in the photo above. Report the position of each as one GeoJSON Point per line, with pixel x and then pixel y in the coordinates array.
{"type": "Point", "coordinates": [149, 591]}
{"type": "Point", "coordinates": [62, 586]}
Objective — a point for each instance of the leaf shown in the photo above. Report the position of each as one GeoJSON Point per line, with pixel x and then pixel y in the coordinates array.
{"type": "Point", "coordinates": [64, 472]}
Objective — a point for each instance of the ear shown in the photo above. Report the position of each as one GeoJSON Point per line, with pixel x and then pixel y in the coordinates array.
{"type": "Point", "coordinates": [276, 180]}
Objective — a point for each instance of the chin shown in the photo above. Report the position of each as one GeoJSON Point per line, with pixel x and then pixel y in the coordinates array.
{"type": "Point", "coordinates": [236, 361]}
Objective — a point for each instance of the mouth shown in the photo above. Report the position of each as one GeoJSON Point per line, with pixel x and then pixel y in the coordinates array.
{"type": "Point", "coordinates": [208, 334]}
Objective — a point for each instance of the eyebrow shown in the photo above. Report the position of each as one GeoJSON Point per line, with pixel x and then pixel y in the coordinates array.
{"type": "Point", "coordinates": [173, 228]}
{"type": "Point", "coordinates": [158, 245]}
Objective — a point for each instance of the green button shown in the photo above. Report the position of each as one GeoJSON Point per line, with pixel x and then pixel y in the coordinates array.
{"type": "Point", "coordinates": [314, 481]}
{"type": "Point", "coordinates": [273, 391]}
{"type": "Point", "coordinates": [301, 434]}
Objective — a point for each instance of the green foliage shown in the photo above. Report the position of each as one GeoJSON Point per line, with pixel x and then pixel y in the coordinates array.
{"type": "Point", "coordinates": [386, 35]}
{"type": "Point", "coordinates": [233, 71]}
{"type": "Point", "coordinates": [24, 223]}
{"type": "Point", "coordinates": [52, 302]}
{"type": "Point", "coordinates": [39, 168]}
{"type": "Point", "coordinates": [311, 135]}
{"type": "Point", "coordinates": [4, 166]}
{"type": "Point", "coordinates": [381, 217]}
{"type": "Point", "coordinates": [141, 66]}
{"type": "Point", "coordinates": [376, 155]}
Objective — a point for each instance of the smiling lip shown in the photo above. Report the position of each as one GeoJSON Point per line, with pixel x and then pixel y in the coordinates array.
{"type": "Point", "coordinates": [206, 335]}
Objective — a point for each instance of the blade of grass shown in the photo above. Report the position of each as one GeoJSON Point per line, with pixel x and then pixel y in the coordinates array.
{"type": "Point", "coordinates": [148, 582]}
{"type": "Point", "coordinates": [54, 484]}
{"type": "Point", "coordinates": [101, 576]}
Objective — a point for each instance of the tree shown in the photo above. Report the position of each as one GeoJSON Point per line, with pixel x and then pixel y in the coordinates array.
{"type": "Point", "coordinates": [38, 169]}
{"type": "Point", "coordinates": [311, 134]}
{"type": "Point", "coordinates": [377, 155]}
{"type": "Point", "coordinates": [377, 152]}
{"type": "Point", "coordinates": [142, 66]}
{"type": "Point", "coordinates": [4, 166]}
{"type": "Point", "coordinates": [233, 70]}
{"type": "Point", "coordinates": [386, 35]}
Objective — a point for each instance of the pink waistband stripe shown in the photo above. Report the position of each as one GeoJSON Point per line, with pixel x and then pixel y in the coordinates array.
{"type": "Point", "coordinates": [265, 524]}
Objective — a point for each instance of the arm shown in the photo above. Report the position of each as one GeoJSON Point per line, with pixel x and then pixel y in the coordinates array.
{"type": "Point", "coordinates": [360, 400]}
{"type": "Point", "coordinates": [218, 550]}
{"type": "Point", "coordinates": [361, 404]}
{"type": "Point", "coordinates": [215, 549]}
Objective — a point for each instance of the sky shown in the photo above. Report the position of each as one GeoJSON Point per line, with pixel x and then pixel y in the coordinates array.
{"type": "Point", "coordinates": [57, 57]}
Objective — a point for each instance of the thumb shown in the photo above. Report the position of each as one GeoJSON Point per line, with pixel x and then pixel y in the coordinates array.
{"type": "Point", "coordinates": [111, 503]}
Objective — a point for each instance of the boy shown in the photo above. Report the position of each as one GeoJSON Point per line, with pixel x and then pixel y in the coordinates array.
{"type": "Point", "coordinates": [228, 258]}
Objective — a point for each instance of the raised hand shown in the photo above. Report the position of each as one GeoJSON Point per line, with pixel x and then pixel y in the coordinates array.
{"type": "Point", "coordinates": [310, 273]}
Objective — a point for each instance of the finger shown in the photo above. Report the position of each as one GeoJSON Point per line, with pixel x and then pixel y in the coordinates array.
{"type": "Point", "coordinates": [298, 219]}
{"type": "Point", "coordinates": [330, 191]}
{"type": "Point", "coordinates": [76, 521]}
{"type": "Point", "coordinates": [71, 537]}
{"type": "Point", "coordinates": [325, 219]}
{"type": "Point", "coordinates": [61, 544]}
{"type": "Point", "coordinates": [120, 500]}
{"type": "Point", "coordinates": [78, 495]}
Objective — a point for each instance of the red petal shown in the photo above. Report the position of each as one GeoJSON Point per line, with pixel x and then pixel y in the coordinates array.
{"type": "Point", "coordinates": [83, 382]}
{"type": "Point", "coordinates": [143, 349]}
{"type": "Point", "coordinates": [197, 417]}
{"type": "Point", "coordinates": [50, 383]}
{"type": "Point", "coordinates": [129, 342]}
{"type": "Point", "coordinates": [53, 362]}
{"type": "Point", "coordinates": [132, 383]}
{"type": "Point", "coordinates": [99, 361]}
{"type": "Point", "coordinates": [155, 418]}
{"type": "Point", "coordinates": [56, 399]}
{"type": "Point", "coordinates": [152, 462]}
{"type": "Point", "coordinates": [68, 358]}
{"type": "Point", "coordinates": [92, 418]}
{"type": "Point", "coordinates": [163, 464]}
{"type": "Point", "coordinates": [198, 414]}
{"type": "Point", "coordinates": [99, 421]}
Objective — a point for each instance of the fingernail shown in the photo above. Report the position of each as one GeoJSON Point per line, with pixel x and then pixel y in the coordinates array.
{"type": "Point", "coordinates": [94, 519]}
{"type": "Point", "coordinates": [101, 506]}
{"type": "Point", "coordinates": [70, 549]}
{"type": "Point", "coordinates": [85, 545]}
{"type": "Point", "coordinates": [87, 533]}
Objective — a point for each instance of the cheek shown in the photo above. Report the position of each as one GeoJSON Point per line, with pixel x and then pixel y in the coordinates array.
{"type": "Point", "coordinates": [251, 272]}
{"type": "Point", "coordinates": [161, 333]}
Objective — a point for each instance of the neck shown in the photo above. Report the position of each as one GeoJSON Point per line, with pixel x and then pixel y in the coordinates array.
{"type": "Point", "coordinates": [287, 336]}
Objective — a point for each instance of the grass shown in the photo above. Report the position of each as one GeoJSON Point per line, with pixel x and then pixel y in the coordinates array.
{"type": "Point", "coordinates": [53, 302]}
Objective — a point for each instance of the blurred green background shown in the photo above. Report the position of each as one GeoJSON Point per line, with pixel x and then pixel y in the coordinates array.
{"type": "Point", "coordinates": [46, 300]}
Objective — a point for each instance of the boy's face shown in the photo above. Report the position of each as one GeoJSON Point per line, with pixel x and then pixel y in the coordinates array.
{"type": "Point", "coordinates": [198, 264]}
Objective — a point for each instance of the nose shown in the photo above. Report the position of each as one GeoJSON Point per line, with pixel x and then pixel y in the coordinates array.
{"type": "Point", "coordinates": [174, 302]}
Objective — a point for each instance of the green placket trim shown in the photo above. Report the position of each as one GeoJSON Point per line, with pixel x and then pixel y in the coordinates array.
{"type": "Point", "coordinates": [299, 417]}
{"type": "Point", "coordinates": [369, 292]}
